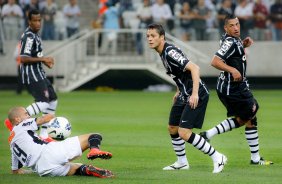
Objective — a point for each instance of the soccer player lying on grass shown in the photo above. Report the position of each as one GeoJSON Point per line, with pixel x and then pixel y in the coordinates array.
{"type": "Point", "coordinates": [54, 158]}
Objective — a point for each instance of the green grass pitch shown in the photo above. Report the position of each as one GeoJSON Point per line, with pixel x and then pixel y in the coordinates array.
{"type": "Point", "coordinates": [134, 129]}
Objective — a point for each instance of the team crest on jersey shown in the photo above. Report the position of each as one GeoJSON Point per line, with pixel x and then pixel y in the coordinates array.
{"type": "Point", "coordinates": [40, 54]}
{"type": "Point", "coordinates": [225, 47]}
{"type": "Point", "coordinates": [177, 56]}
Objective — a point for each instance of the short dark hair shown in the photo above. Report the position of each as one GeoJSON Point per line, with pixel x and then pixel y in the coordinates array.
{"type": "Point", "coordinates": [228, 17]}
{"type": "Point", "coordinates": [33, 12]}
{"type": "Point", "coordinates": [157, 27]}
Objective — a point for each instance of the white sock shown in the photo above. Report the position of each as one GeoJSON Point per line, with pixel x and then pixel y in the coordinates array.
{"type": "Point", "coordinates": [225, 126]}
{"type": "Point", "coordinates": [51, 109]}
{"type": "Point", "coordinates": [179, 149]}
{"type": "Point", "coordinates": [252, 138]}
{"type": "Point", "coordinates": [201, 144]}
{"type": "Point", "coordinates": [36, 108]}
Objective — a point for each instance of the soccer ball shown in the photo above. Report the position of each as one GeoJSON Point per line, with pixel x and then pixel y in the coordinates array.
{"type": "Point", "coordinates": [59, 128]}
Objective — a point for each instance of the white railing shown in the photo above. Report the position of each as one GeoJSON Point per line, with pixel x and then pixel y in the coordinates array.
{"type": "Point", "coordinates": [85, 53]}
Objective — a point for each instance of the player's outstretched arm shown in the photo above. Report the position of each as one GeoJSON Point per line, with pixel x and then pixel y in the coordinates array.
{"type": "Point", "coordinates": [21, 171]}
{"type": "Point", "coordinates": [47, 61]}
{"type": "Point", "coordinates": [44, 119]}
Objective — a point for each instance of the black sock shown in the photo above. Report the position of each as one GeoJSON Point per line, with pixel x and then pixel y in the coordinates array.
{"type": "Point", "coordinates": [94, 141]}
{"type": "Point", "coordinates": [81, 171]}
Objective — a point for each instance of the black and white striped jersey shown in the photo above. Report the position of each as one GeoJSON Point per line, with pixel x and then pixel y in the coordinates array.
{"type": "Point", "coordinates": [31, 47]}
{"type": "Point", "coordinates": [174, 61]}
{"type": "Point", "coordinates": [233, 54]}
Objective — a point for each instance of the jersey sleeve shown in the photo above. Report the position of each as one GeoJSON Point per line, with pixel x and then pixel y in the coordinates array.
{"type": "Point", "coordinates": [177, 58]}
{"type": "Point", "coordinates": [27, 42]}
{"type": "Point", "coordinates": [226, 49]}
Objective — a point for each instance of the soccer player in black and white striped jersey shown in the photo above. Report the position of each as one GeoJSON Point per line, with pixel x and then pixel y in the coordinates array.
{"type": "Point", "coordinates": [189, 102]}
{"type": "Point", "coordinates": [32, 73]}
{"type": "Point", "coordinates": [233, 89]}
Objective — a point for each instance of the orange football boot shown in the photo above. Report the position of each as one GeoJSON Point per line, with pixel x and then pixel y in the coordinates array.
{"type": "Point", "coordinates": [96, 153]}
{"type": "Point", "coordinates": [97, 172]}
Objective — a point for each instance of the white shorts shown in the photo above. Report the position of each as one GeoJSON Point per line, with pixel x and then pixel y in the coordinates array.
{"type": "Point", "coordinates": [56, 156]}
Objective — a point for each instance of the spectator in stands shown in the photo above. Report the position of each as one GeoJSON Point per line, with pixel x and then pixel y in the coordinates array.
{"type": "Point", "coordinates": [2, 2]}
{"type": "Point", "coordinates": [72, 14]}
{"type": "Point", "coordinates": [260, 19]}
{"type": "Point", "coordinates": [1, 29]}
{"type": "Point", "coordinates": [48, 13]}
{"type": "Point", "coordinates": [12, 20]}
{"type": "Point", "coordinates": [60, 26]}
{"type": "Point", "coordinates": [97, 23]}
{"type": "Point", "coordinates": [23, 3]}
{"type": "Point", "coordinates": [41, 4]}
{"type": "Point", "coordinates": [276, 20]}
{"type": "Point", "coordinates": [110, 21]}
{"type": "Point", "coordinates": [192, 3]}
{"type": "Point", "coordinates": [225, 9]}
{"type": "Point", "coordinates": [212, 31]}
{"type": "Point", "coordinates": [244, 11]}
{"type": "Point", "coordinates": [202, 14]}
{"type": "Point", "coordinates": [32, 5]}
{"type": "Point", "coordinates": [124, 5]}
{"type": "Point", "coordinates": [162, 14]}
{"type": "Point", "coordinates": [102, 7]}
{"type": "Point", "coordinates": [144, 14]}
{"type": "Point", "coordinates": [186, 16]}
{"type": "Point", "coordinates": [268, 4]}
{"type": "Point", "coordinates": [171, 4]}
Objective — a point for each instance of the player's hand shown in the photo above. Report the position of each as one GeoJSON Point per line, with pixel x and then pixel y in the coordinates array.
{"type": "Point", "coordinates": [49, 62]}
{"type": "Point", "coordinates": [21, 171]}
{"type": "Point", "coordinates": [247, 42]}
{"type": "Point", "coordinates": [193, 101]}
{"type": "Point", "coordinates": [236, 75]}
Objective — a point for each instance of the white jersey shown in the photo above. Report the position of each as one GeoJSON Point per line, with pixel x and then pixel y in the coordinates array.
{"type": "Point", "coordinates": [25, 145]}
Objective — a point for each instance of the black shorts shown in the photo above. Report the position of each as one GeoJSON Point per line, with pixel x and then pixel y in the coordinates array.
{"type": "Point", "coordinates": [42, 91]}
{"type": "Point", "coordinates": [183, 116]}
{"type": "Point", "coordinates": [241, 104]}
